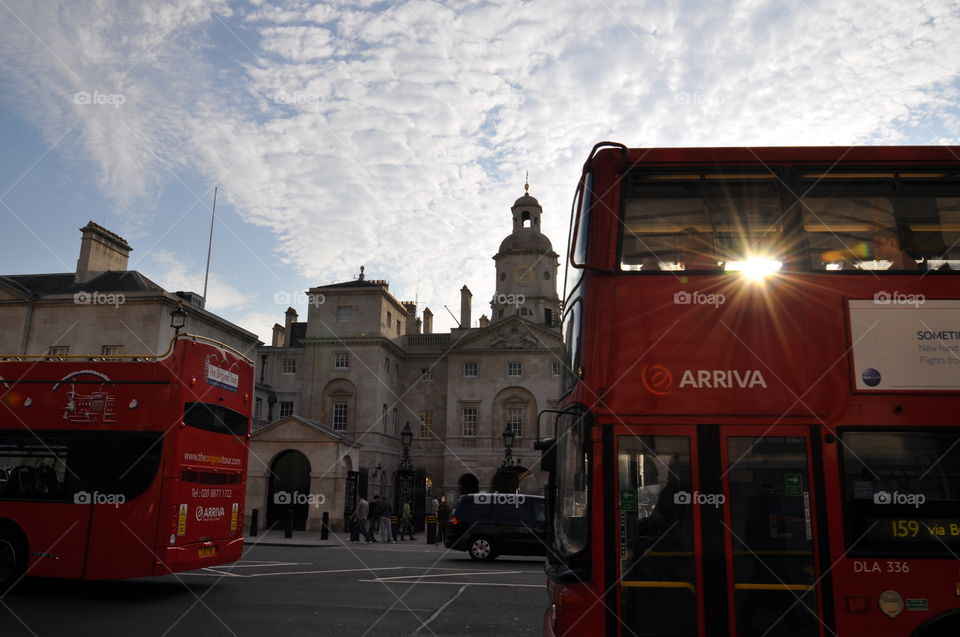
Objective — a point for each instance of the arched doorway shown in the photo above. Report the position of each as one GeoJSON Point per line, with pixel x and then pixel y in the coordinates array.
{"type": "Point", "coordinates": [469, 483]}
{"type": "Point", "coordinates": [289, 489]}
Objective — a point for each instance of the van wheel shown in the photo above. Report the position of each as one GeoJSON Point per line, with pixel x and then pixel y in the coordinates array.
{"type": "Point", "coordinates": [13, 557]}
{"type": "Point", "coordinates": [481, 549]}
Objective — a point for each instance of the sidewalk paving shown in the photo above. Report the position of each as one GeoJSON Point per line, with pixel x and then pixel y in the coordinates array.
{"type": "Point", "coordinates": [312, 538]}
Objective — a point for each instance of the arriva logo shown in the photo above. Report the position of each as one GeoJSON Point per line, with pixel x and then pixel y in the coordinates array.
{"type": "Point", "coordinates": [658, 379]}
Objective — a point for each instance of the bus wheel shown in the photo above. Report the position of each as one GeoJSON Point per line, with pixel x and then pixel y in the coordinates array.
{"type": "Point", "coordinates": [481, 549]}
{"type": "Point", "coordinates": [13, 557]}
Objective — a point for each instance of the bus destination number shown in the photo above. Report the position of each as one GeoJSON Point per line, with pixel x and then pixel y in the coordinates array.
{"type": "Point", "coordinates": [876, 566]}
{"type": "Point", "coordinates": [212, 493]}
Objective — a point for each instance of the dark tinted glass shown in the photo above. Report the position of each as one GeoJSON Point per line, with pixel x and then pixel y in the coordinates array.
{"type": "Point", "coordinates": [215, 418]}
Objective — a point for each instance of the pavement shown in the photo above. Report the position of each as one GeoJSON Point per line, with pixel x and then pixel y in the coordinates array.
{"type": "Point", "coordinates": [312, 538]}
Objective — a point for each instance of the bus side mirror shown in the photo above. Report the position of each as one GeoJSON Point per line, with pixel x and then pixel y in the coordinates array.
{"type": "Point", "coordinates": [548, 454]}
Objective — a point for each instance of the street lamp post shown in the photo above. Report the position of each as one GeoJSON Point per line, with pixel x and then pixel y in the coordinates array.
{"type": "Point", "coordinates": [178, 318]}
{"type": "Point", "coordinates": [405, 472]}
{"type": "Point", "coordinates": [508, 436]}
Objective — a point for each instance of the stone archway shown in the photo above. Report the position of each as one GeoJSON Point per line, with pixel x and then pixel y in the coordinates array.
{"type": "Point", "coordinates": [289, 489]}
{"type": "Point", "coordinates": [468, 483]}
{"type": "Point", "coordinates": [507, 479]}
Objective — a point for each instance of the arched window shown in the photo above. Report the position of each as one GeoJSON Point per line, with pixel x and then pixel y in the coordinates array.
{"type": "Point", "coordinates": [546, 275]}
{"type": "Point", "coordinates": [503, 276]}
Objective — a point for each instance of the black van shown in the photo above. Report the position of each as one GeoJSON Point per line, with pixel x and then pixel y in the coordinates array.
{"type": "Point", "coordinates": [490, 524]}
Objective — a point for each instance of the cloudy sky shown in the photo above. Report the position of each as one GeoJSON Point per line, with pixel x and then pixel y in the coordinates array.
{"type": "Point", "coordinates": [396, 135]}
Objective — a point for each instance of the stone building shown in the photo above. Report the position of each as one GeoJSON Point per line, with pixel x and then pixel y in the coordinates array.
{"type": "Point", "coordinates": [102, 309]}
{"type": "Point", "coordinates": [363, 365]}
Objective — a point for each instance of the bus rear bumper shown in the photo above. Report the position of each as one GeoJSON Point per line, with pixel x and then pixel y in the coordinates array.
{"type": "Point", "coordinates": [190, 557]}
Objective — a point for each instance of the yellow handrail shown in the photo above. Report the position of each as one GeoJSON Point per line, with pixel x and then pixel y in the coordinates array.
{"type": "Point", "coordinates": [123, 357]}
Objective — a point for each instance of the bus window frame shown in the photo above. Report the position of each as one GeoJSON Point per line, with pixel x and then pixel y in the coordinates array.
{"type": "Point", "coordinates": [789, 182]}
{"type": "Point", "coordinates": [851, 542]}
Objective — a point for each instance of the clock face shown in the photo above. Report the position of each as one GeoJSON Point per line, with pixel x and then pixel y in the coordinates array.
{"type": "Point", "coordinates": [524, 274]}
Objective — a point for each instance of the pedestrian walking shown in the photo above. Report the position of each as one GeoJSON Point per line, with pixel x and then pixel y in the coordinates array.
{"type": "Point", "coordinates": [360, 514]}
{"type": "Point", "coordinates": [443, 519]}
{"type": "Point", "coordinates": [406, 520]}
{"type": "Point", "coordinates": [386, 528]}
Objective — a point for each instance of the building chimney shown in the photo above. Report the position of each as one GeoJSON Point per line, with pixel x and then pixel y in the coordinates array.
{"type": "Point", "coordinates": [411, 319]}
{"type": "Point", "coordinates": [418, 327]}
{"type": "Point", "coordinates": [466, 300]}
{"type": "Point", "coordinates": [278, 335]}
{"type": "Point", "coordinates": [289, 320]}
{"type": "Point", "coordinates": [484, 321]}
{"type": "Point", "coordinates": [100, 251]}
{"type": "Point", "coordinates": [427, 321]}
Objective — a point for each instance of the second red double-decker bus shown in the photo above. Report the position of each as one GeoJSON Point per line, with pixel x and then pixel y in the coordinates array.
{"type": "Point", "coordinates": [760, 433]}
{"type": "Point", "coordinates": [123, 467]}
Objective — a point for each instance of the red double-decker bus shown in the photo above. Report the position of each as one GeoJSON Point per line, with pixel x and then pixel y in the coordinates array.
{"type": "Point", "coordinates": [123, 466]}
{"type": "Point", "coordinates": [760, 433]}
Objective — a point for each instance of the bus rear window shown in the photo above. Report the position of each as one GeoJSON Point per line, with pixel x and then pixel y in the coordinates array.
{"type": "Point", "coordinates": [215, 418]}
{"type": "Point", "coordinates": [901, 490]}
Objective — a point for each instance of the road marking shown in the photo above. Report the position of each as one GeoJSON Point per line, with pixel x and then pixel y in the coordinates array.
{"type": "Point", "coordinates": [440, 610]}
{"type": "Point", "coordinates": [413, 579]}
{"type": "Point", "coordinates": [455, 574]}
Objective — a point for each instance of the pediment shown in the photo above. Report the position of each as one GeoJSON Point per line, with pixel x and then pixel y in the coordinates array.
{"type": "Point", "coordinates": [296, 429]}
{"type": "Point", "coordinates": [512, 334]}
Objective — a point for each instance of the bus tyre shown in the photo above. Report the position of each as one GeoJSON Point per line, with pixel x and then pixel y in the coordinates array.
{"type": "Point", "coordinates": [482, 549]}
{"type": "Point", "coordinates": [13, 558]}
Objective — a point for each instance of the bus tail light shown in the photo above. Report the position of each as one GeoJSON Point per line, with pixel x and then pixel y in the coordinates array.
{"type": "Point", "coordinates": [454, 521]}
{"type": "Point", "coordinates": [957, 588]}
{"type": "Point", "coordinates": [857, 603]}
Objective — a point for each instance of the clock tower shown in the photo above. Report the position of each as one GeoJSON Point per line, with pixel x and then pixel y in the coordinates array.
{"type": "Point", "coordinates": [527, 269]}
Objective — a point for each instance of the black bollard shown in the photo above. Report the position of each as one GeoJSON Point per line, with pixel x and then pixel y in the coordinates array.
{"type": "Point", "coordinates": [255, 522]}
{"type": "Point", "coordinates": [288, 524]}
{"type": "Point", "coordinates": [431, 529]}
{"type": "Point", "coordinates": [325, 526]}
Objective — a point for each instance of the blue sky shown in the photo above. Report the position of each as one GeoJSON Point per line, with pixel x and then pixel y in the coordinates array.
{"type": "Point", "coordinates": [395, 135]}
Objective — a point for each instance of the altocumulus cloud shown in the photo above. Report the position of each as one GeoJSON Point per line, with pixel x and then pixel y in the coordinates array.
{"type": "Point", "coordinates": [396, 134]}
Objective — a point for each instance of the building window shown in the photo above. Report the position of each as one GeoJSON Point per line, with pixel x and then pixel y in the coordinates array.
{"type": "Point", "coordinates": [386, 365]}
{"type": "Point", "coordinates": [555, 368]}
{"type": "Point", "coordinates": [58, 350]}
{"type": "Point", "coordinates": [339, 415]}
{"type": "Point", "coordinates": [111, 350]}
{"type": "Point", "coordinates": [383, 417]}
{"type": "Point", "coordinates": [426, 373]}
{"type": "Point", "coordinates": [546, 276]}
{"type": "Point", "coordinates": [468, 425]}
{"type": "Point", "coordinates": [525, 311]}
{"type": "Point", "coordinates": [398, 327]}
{"type": "Point", "coordinates": [514, 368]}
{"type": "Point", "coordinates": [389, 319]}
{"type": "Point", "coordinates": [288, 366]}
{"type": "Point", "coordinates": [471, 369]}
{"type": "Point", "coordinates": [548, 317]}
{"type": "Point", "coordinates": [426, 424]}
{"type": "Point", "coordinates": [344, 313]}
{"type": "Point", "coordinates": [341, 360]}
{"type": "Point", "coordinates": [257, 407]}
{"type": "Point", "coordinates": [515, 421]}
{"type": "Point", "coordinates": [503, 276]}
{"type": "Point", "coordinates": [396, 423]}
{"type": "Point", "coordinates": [286, 408]}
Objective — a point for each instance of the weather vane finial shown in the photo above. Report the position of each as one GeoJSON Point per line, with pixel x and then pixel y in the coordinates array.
{"type": "Point", "coordinates": [526, 183]}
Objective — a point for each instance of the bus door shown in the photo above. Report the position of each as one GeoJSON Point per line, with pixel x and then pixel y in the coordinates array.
{"type": "Point", "coordinates": [657, 575]}
{"type": "Point", "coordinates": [768, 527]}
{"type": "Point", "coordinates": [715, 532]}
